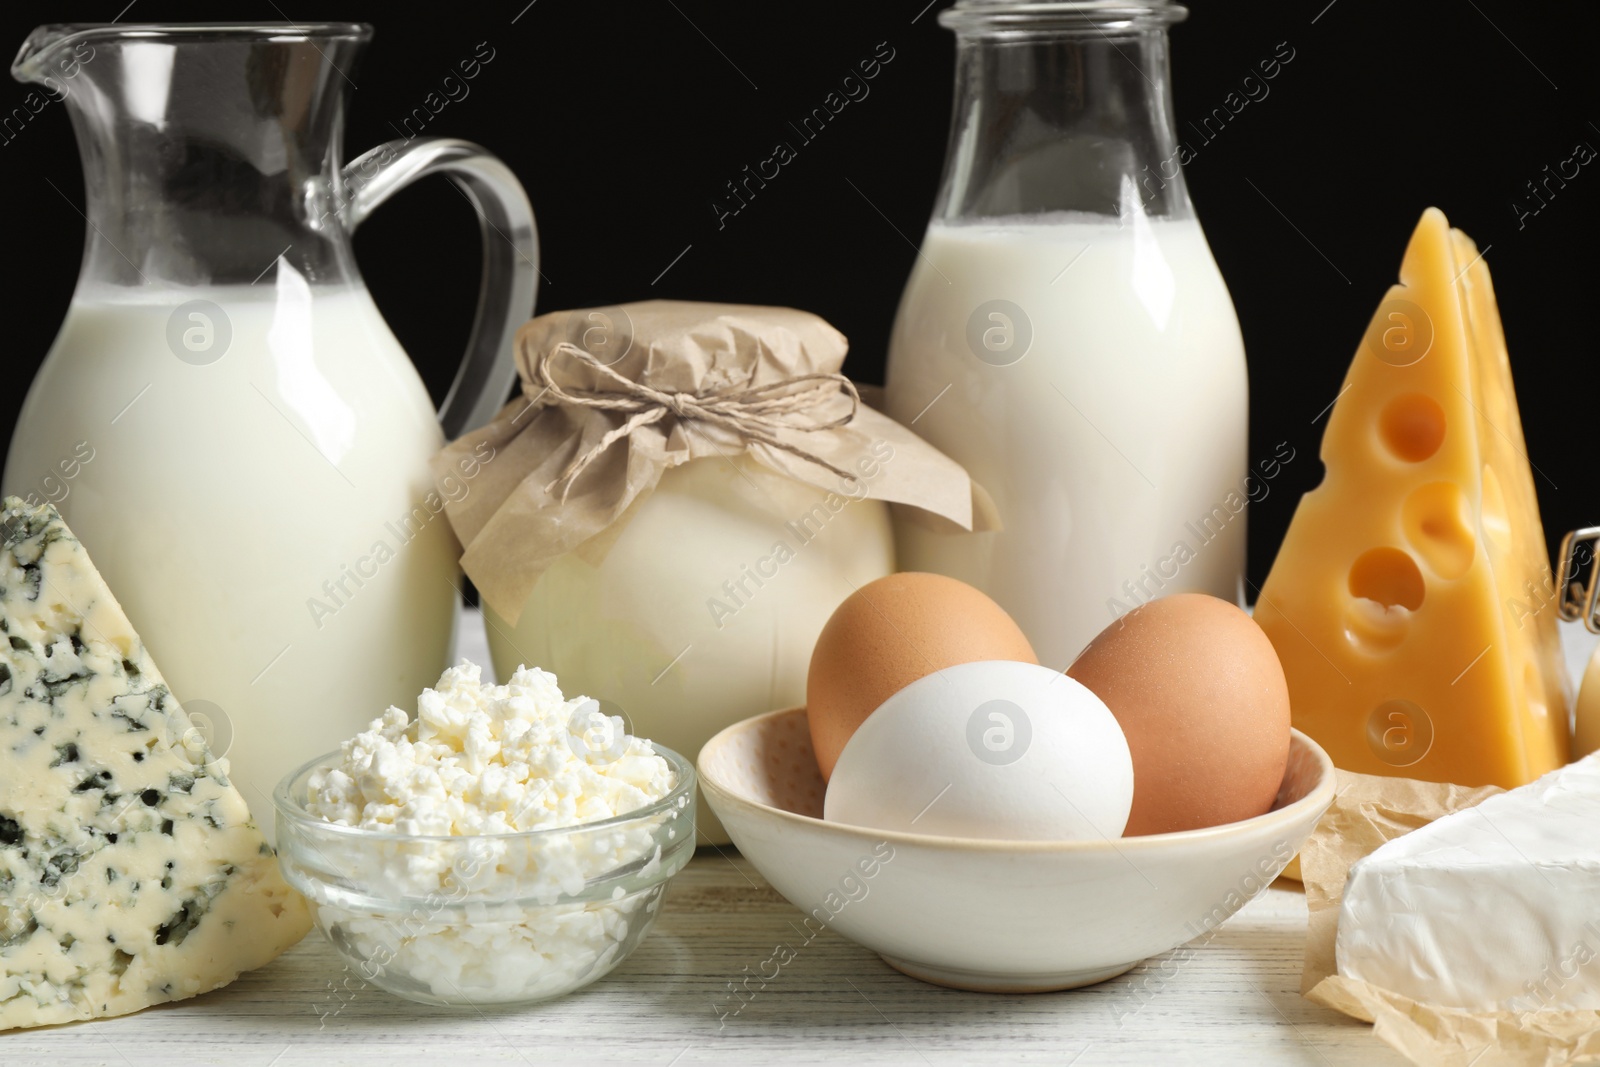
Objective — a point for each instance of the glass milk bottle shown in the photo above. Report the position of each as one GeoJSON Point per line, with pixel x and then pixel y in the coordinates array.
{"type": "Point", "coordinates": [1065, 333]}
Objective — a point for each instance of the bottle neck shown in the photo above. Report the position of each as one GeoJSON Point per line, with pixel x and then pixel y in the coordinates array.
{"type": "Point", "coordinates": [1062, 117]}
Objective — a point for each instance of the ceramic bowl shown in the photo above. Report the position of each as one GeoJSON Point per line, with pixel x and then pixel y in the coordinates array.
{"type": "Point", "coordinates": [1000, 916]}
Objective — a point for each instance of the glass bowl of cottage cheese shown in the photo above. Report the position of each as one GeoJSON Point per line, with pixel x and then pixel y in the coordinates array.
{"type": "Point", "coordinates": [506, 845]}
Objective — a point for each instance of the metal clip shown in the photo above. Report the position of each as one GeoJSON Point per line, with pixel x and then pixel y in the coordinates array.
{"type": "Point", "coordinates": [1579, 593]}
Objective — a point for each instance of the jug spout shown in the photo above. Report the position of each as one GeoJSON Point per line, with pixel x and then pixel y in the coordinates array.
{"type": "Point", "coordinates": [53, 56]}
{"type": "Point", "coordinates": [207, 149]}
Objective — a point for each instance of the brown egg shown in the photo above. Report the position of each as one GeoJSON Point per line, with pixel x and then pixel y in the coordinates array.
{"type": "Point", "coordinates": [885, 636]}
{"type": "Point", "coordinates": [1202, 699]}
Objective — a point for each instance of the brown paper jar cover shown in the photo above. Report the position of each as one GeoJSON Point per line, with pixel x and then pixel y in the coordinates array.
{"type": "Point", "coordinates": [518, 515]}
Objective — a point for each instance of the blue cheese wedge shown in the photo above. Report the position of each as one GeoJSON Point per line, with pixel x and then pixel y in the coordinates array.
{"type": "Point", "coordinates": [130, 871]}
{"type": "Point", "coordinates": [1494, 908]}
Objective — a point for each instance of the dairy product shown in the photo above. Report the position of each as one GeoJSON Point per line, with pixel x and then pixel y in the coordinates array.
{"type": "Point", "coordinates": [1586, 717]}
{"type": "Point", "coordinates": [1412, 603]}
{"type": "Point", "coordinates": [130, 872]}
{"type": "Point", "coordinates": [1091, 377]}
{"type": "Point", "coordinates": [489, 760]}
{"type": "Point", "coordinates": [1495, 908]}
{"type": "Point", "coordinates": [703, 607]}
{"type": "Point", "coordinates": [262, 511]}
{"type": "Point", "coordinates": [484, 909]}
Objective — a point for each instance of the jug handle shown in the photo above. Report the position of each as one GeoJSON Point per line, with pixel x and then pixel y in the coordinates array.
{"type": "Point", "coordinates": [510, 258]}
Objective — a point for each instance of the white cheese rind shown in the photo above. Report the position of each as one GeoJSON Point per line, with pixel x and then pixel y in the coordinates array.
{"type": "Point", "coordinates": [1493, 908]}
{"type": "Point", "coordinates": [130, 872]}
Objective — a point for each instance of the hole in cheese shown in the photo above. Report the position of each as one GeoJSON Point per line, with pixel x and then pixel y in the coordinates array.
{"type": "Point", "coordinates": [1373, 628]}
{"type": "Point", "coordinates": [1438, 524]}
{"type": "Point", "coordinates": [1412, 427]}
{"type": "Point", "coordinates": [1388, 576]}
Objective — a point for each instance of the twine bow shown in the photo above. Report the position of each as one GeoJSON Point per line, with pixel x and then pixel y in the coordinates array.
{"type": "Point", "coordinates": [754, 414]}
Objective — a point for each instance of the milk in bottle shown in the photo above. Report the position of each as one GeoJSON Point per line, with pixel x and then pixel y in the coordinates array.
{"type": "Point", "coordinates": [1066, 334]}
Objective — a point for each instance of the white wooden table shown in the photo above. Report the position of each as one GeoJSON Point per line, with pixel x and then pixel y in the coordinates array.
{"type": "Point", "coordinates": [1235, 1001]}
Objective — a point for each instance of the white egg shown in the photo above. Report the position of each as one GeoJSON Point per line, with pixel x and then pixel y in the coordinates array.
{"type": "Point", "coordinates": [994, 749]}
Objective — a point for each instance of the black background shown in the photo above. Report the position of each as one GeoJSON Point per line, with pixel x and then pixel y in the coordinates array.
{"type": "Point", "coordinates": [624, 120]}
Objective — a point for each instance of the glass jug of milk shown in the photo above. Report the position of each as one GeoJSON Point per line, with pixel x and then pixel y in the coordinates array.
{"type": "Point", "coordinates": [1065, 333]}
{"type": "Point", "coordinates": [225, 420]}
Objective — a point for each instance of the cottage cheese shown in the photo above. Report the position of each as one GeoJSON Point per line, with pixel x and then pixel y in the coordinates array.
{"type": "Point", "coordinates": [490, 760]}
{"type": "Point", "coordinates": [476, 915]}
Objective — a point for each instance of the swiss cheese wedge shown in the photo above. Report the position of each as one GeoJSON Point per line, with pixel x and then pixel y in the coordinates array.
{"type": "Point", "coordinates": [1411, 602]}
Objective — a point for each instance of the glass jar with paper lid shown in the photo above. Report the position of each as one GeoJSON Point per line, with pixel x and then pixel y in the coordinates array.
{"type": "Point", "coordinates": [671, 510]}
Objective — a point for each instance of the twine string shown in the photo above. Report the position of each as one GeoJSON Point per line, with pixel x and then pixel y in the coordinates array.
{"type": "Point", "coordinates": [755, 414]}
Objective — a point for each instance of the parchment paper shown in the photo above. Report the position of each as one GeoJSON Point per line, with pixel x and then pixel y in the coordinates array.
{"type": "Point", "coordinates": [1366, 812]}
